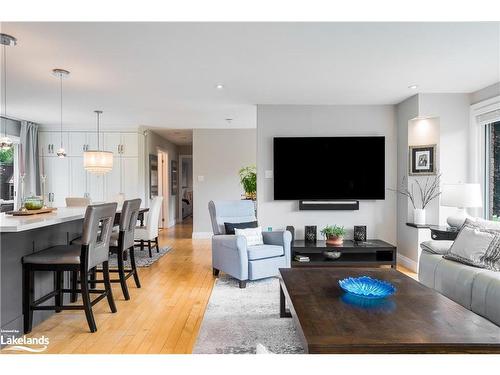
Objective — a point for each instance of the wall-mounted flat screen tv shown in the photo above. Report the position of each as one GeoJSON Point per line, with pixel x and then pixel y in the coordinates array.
{"type": "Point", "coordinates": [329, 168]}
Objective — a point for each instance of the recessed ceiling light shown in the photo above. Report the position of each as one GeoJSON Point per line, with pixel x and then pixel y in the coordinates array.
{"type": "Point", "coordinates": [229, 120]}
{"type": "Point", "coordinates": [413, 87]}
{"type": "Point", "coordinates": [219, 86]}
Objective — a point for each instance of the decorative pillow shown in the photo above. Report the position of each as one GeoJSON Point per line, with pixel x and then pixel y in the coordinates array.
{"type": "Point", "coordinates": [436, 247]}
{"type": "Point", "coordinates": [482, 223]}
{"type": "Point", "coordinates": [476, 247]}
{"type": "Point", "coordinates": [253, 235]}
{"type": "Point", "coordinates": [230, 227]}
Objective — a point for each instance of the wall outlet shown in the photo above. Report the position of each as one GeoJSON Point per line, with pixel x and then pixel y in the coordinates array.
{"type": "Point", "coordinates": [201, 178]}
{"type": "Point", "coordinates": [268, 174]}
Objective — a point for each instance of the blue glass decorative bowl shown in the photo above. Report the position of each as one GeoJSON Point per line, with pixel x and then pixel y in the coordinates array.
{"type": "Point", "coordinates": [367, 287]}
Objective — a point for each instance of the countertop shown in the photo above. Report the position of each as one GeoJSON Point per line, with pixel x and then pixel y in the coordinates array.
{"type": "Point", "coordinates": [9, 223]}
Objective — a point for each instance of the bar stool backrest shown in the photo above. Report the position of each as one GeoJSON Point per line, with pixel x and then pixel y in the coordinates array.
{"type": "Point", "coordinates": [128, 221]}
{"type": "Point", "coordinates": [97, 227]}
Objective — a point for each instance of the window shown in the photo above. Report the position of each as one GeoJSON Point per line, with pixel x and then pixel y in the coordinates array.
{"type": "Point", "coordinates": [7, 179]}
{"type": "Point", "coordinates": [492, 185]}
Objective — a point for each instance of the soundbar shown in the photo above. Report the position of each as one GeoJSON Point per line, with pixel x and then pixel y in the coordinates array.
{"type": "Point", "coordinates": [329, 205]}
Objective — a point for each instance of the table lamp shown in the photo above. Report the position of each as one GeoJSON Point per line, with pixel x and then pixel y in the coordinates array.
{"type": "Point", "coordinates": [461, 196]}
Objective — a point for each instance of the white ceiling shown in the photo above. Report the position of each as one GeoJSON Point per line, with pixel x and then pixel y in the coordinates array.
{"type": "Point", "coordinates": [164, 74]}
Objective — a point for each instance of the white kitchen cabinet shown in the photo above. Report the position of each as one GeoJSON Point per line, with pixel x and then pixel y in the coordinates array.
{"type": "Point", "coordinates": [83, 183]}
{"type": "Point", "coordinates": [95, 187]}
{"type": "Point", "coordinates": [130, 145]}
{"type": "Point", "coordinates": [112, 180]}
{"type": "Point", "coordinates": [130, 178]}
{"type": "Point", "coordinates": [79, 142]}
{"type": "Point", "coordinates": [50, 142]}
{"type": "Point", "coordinates": [78, 177]}
{"type": "Point", "coordinates": [123, 179]}
{"type": "Point", "coordinates": [112, 142]}
{"type": "Point", "coordinates": [57, 183]}
{"type": "Point", "coordinates": [122, 144]}
{"type": "Point", "coordinates": [67, 177]}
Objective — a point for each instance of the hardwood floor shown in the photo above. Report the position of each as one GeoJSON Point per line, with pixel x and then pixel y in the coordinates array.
{"type": "Point", "coordinates": [163, 316]}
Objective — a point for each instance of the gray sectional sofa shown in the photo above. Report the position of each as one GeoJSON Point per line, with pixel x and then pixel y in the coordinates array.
{"type": "Point", "coordinates": [476, 289]}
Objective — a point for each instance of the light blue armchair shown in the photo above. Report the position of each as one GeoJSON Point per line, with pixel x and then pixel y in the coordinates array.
{"type": "Point", "coordinates": [230, 253]}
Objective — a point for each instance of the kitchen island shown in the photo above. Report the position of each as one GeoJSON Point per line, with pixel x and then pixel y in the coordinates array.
{"type": "Point", "coordinates": [23, 235]}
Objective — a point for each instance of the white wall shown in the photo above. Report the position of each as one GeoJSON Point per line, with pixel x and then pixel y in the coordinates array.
{"type": "Point", "coordinates": [218, 155]}
{"type": "Point", "coordinates": [153, 142]}
{"type": "Point", "coordinates": [303, 120]}
{"type": "Point", "coordinates": [453, 112]}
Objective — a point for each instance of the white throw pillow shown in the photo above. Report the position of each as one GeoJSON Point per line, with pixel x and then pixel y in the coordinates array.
{"type": "Point", "coordinates": [471, 244]}
{"type": "Point", "coordinates": [253, 235]}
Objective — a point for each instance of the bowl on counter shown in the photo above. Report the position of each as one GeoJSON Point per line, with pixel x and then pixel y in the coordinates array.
{"type": "Point", "coordinates": [33, 203]}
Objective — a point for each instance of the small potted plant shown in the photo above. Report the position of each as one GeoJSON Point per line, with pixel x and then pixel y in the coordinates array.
{"type": "Point", "coordinates": [334, 234]}
{"type": "Point", "coordinates": [248, 179]}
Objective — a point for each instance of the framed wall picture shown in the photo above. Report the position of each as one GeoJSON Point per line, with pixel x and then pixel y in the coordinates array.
{"type": "Point", "coordinates": [174, 178]}
{"type": "Point", "coordinates": [423, 160]}
{"type": "Point", "coordinates": [153, 176]}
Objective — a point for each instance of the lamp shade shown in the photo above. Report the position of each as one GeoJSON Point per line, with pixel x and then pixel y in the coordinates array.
{"type": "Point", "coordinates": [98, 162]}
{"type": "Point", "coordinates": [461, 195]}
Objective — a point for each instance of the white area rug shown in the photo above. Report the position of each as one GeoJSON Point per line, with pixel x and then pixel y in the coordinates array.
{"type": "Point", "coordinates": [237, 320]}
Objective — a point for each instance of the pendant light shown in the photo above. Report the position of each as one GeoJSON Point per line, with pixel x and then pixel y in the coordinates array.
{"type": "Point", "coordinates": [5, 40]}
{"type": "Point", "coordinates": [61, 73]}
{"type": "Point", "coordinates": [97, 161]}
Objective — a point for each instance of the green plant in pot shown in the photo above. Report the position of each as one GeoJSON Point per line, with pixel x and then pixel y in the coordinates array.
{"type": "Point", "coordinates": [334, 234]}
{"type": "Point", "coordinates": [248, 179]}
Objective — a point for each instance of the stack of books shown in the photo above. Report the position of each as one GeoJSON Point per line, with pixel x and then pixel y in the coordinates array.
{"type": "Point", "coordinates": [301, 258]}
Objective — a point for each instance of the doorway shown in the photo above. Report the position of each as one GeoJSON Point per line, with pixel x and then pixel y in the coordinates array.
{"type": "Point", "coordinates": [186, 187]}
{"type": "Point", "coordinates": [163, 187]}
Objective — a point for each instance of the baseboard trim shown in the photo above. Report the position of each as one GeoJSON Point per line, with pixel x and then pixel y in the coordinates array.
{"type": "Point", "coordinates": [407, 263]}
{"type": "Point", "coordinates": [201, 235]}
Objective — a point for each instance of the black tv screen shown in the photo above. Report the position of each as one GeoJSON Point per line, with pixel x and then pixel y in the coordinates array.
{"type": "Point", "coordinates": [329, 168]}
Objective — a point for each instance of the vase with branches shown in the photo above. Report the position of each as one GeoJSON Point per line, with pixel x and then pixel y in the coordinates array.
{"type": "Point", "coordinates": [420, 194]}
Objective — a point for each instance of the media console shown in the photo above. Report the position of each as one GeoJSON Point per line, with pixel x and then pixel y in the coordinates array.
{"type": "Point", "coordinates": [371, 253]}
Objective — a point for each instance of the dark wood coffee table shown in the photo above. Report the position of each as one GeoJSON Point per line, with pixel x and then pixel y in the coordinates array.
{"type": "Point", "coordinates": [416, 319]}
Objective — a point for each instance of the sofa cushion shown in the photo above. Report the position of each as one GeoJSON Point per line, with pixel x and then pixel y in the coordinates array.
{"type": "Point", "coordinates": [455, 281]}
{"type": "Point", "coordinates": [264, 251]}
{"type": "Point", "coordinates": [427, 268]}
{"type": "Point", "coordinates": [486, 295]}
{"type": "Point", "coordinates": [436, 247]}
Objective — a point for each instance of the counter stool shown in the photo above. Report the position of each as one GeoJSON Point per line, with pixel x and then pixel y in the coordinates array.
{"type": "Point", "coordinates": [123, 241]}
{"type": "Point", "coordinates": [93, 251]}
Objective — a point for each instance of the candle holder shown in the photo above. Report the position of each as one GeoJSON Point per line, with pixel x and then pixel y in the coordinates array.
{"type": "Point", "coordinates": [43, 179]}
{"type": "Point", "coordinates": [21, 192]}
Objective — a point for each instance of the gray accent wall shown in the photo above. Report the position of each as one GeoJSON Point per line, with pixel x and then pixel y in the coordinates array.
{"type": "Point", "coordinates": [218, 155]}
{"type": "Point", "coordinates": [320, 121]}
